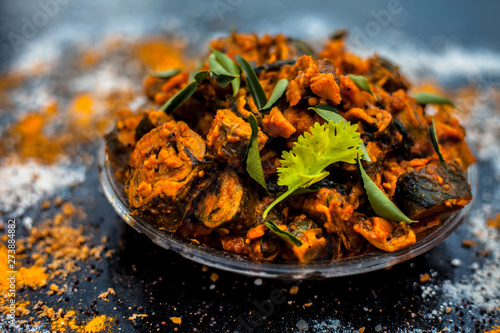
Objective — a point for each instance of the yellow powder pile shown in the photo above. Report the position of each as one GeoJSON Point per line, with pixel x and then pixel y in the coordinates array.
{"type": "Point", "coordinates": [158, 55]}
{"type": "Point", "coordinates": [33, 277]}
{"type": "Point", "coordinates": [56, 248]}
{"type": "Point", "coordinates": [54, 132]}
{"type": "Point", "coordinates": [58, 245]}
{"type": "Point", "coordinates": [494, 330]}
{"type": "Point", "coordinates": [98, 324]}
{"type": "Point", "coordinates": [493, 222]}
{"type": "Point", "coordinates": [67, 323]}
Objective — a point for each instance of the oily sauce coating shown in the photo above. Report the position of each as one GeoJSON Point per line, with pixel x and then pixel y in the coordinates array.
{"type": "Point", "coordinates": [165, 165]}
{"type": "Point", "coordinates": [186, 171]}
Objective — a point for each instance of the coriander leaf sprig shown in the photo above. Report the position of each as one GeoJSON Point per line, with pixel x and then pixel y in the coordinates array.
{"type": "Point", "coordinates": [328, 113]}
{"type": "Point", "coordinates": [305, 164]}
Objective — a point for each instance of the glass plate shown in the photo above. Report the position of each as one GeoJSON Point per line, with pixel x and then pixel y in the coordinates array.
{"type": "Point", "coordinates": [114, 192]}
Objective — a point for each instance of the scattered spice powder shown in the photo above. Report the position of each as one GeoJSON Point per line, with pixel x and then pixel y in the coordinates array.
{"type": "Point", "coordinates": [53, 131]}
{"type": "Point", "coordinates": [469, 243]}
{"type": "Point", "coordinates": [494, 330]}
{"type": "Point", "coordinates": [98, 324]}
{"type": "Point", "coordinates": [493, 222]}
{"type": "Point", "coordinates": [214, 277]}
{"type": "Point", "coordinates": [33, 277]}
{"type": "Point", "coordinates": [136, 315]}
{"type": "Point", "coordinates": [104, 295]}
{"type": "Point", "coordinates": [294, 290]}
{"type": "Point", "coordinates": [424, 278]}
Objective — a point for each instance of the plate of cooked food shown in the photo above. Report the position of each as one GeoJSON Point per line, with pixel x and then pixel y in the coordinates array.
{"type": "Point", "coordinates": [277, 161]}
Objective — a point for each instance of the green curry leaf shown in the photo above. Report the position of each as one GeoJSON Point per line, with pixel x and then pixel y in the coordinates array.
{"type": "Point", "coordinates": [430, 98]}
{"type": "Point", "coordinates": [166, 74]}
{"type": "Point", "coordinates": [173, 103]}
{"type": "Point", "coordinates": [278, 91]}
{"type": "Point", "coordinates": [380, 203]}
{"type": "Point", "coordinates": [219, 73]}
{"type": "Point", "coordinates": [304, 48]}
{"type": "Point", "coordinates": [289, 237]}
{"type": "Point", "coordinates": [230, 68]}
{"type": "Point", "coordinates": [361, 83]}
{"type": "Point", "coordinates": [252, 156]}
{"type": "Point", "coordinates": [253, 83]}
{"type": "Point", "coordinates": [200, 76]}
{"type": "Point", "coordinates": [435, 141]}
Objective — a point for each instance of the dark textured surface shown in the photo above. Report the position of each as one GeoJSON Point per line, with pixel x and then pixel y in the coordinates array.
{"type": "Point", "coordinates": [162, 284]}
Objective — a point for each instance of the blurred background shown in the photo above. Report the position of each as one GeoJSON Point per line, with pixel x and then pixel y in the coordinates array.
{"type": "Point", "coordinates": [445, 37]}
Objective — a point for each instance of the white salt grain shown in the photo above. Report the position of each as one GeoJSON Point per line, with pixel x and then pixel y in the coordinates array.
{"type": "Point", "coordinates": [302, 325]}
{"type": "Point", "coordinates": [258, 282]}
{"type": "Point", "coordinates": [456, 262]}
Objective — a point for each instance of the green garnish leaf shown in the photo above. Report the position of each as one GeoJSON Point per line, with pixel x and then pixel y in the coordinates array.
{"type": "Point", "coordinates": [223, 80]}
{"type": "Point", "coordinates": [435, 141]}
{"type": "Point", "coordinates": [328, 113]}
{"type": "Point", "coordinates": [252, 156]}
{"type": "Point", "coordinates": [166, 74]}
{"type": "Point", "coordinates": [300, 191]}
{"type": "Point", "coordinates": [200, 76]}
{"type": "Point", "coordinates": [304, 48]}
{"type": "Point", "coordinates": [253, 83]}
{"type": "Point", "coordinates": [304, 165]}
{"type": "Point", "coordinates": [173, 103]}
{"type": "Point", "coordinates": [278, 91]}
{"type": "Point", "coordinates": [362, 83]}
{"type": "Point", "coordinates": [380, 203]}
{"type": "Point", "coordinates": [430, 98]}
{"type": "Point", "coordinates": [220, 74]}
{"type": "Point", "coordinates": [230, 67]}
{"type": "Point", "coordinates": [283, 234]}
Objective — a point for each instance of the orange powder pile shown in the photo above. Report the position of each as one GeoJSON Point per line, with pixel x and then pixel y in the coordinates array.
{"type": "Point", "coordinates": [30, 139]}
{"type": "Point", "coordinates": [98, 324]}
{"type": "Point", "coordinates": [494, 330]}
{"type": "Point", "coordinates": [56, 131]}
{"type": "Point", "coordinates": [493, 222]}
{"type": "Point", "coordinates": [159, 56]}
{"type": "Point", "coordinates": [33, 277]}
{"type": "Point", "coordinates": [59, 246]}
{"type": "Point", "coordinates": [57, 249]}
{"type": "Point", "coordinates": [67, 323]}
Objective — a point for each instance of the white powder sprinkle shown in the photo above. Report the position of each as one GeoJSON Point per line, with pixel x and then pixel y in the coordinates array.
{"type": "Point", "coordinates": [25, 185]}
{"type": "Point", "coordinates": [482, 287]}
{"type": "Point", "coordinates": [302, 325]}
